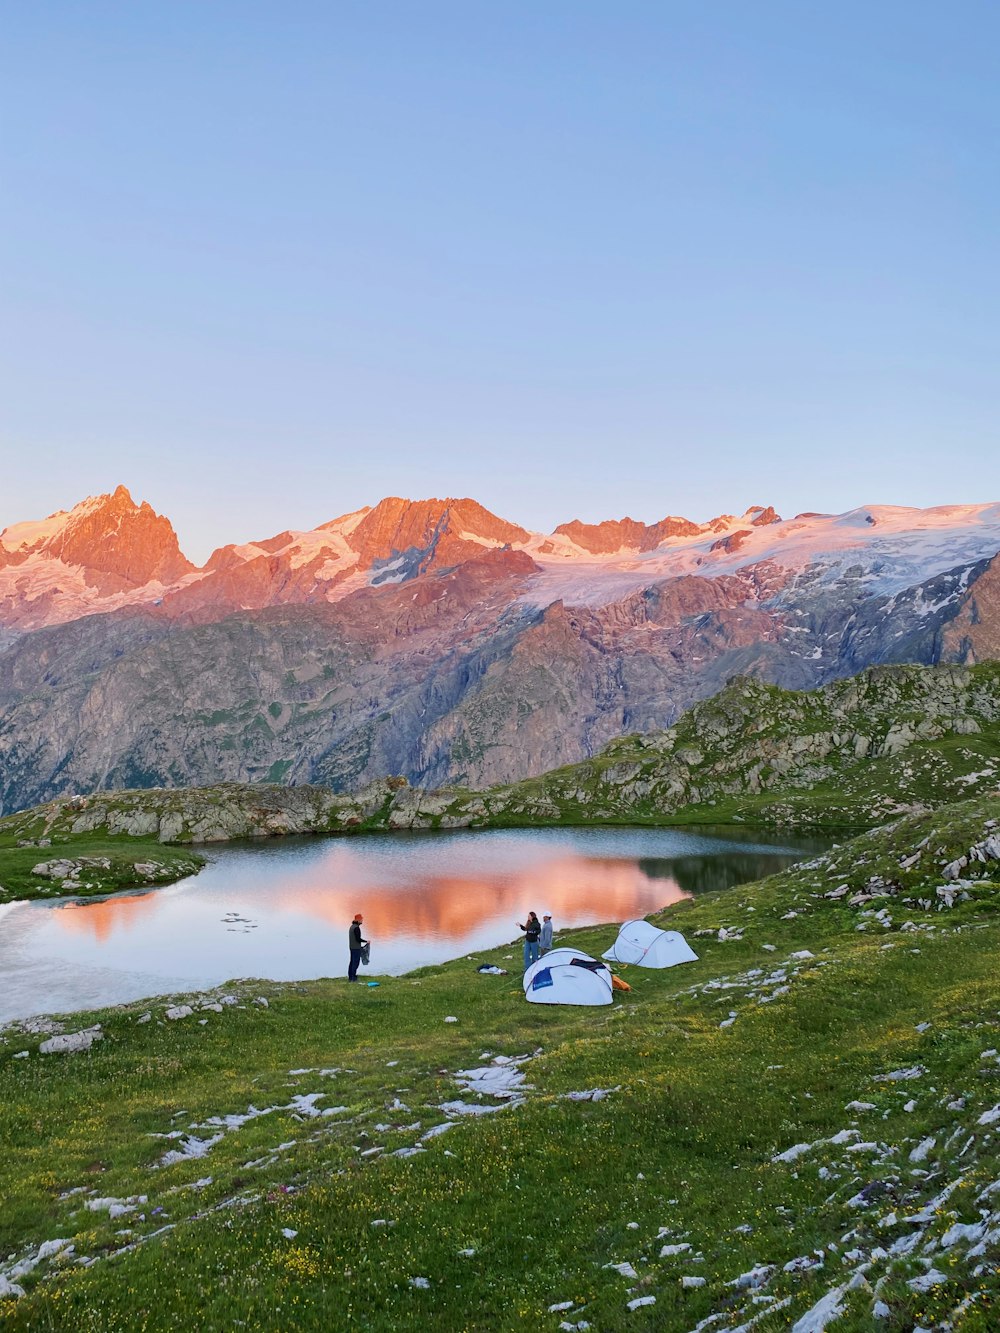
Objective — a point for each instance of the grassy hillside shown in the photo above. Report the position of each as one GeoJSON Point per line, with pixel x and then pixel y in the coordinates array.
{"type": "Point", "coordinates": [856, 753]}
{"type": "Point", "coordinates": [807, 1116]}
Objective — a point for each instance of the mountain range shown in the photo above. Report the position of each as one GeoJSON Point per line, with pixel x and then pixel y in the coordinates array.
{"type": "Point", "coordinates": [436, 640]}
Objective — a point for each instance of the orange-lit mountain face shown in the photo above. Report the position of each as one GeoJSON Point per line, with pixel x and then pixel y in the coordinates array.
{"type": "Point", "coordinates": [435, 639]}
{"type": "Point", "coordinates": [108, 552]}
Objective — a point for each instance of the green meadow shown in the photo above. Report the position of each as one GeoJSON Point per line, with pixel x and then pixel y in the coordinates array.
{"type": "Point", "coordinates": [805, 1119]}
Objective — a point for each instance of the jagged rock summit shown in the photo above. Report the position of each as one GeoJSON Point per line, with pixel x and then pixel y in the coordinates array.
{"type": "Point", "coordinates": [104, 552]}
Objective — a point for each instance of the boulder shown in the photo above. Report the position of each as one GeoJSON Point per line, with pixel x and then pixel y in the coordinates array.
{"type": "Point", "coordinates": [69, 1042]}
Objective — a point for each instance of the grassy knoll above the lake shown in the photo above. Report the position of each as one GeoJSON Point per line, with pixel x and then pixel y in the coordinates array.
{"type": "Point", "coordinates": [87, 865]}
{"type": "Point", "coordinates": [809, 1113]}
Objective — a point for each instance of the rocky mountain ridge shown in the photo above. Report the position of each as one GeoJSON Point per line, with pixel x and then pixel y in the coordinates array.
{"type": "Point", "coordinates": [109, 553]}
{"type": "Point", "coordinates": [435, 640]}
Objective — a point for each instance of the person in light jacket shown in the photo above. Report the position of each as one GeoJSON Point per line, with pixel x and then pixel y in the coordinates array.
{"type": "Point", "coordinates": [545, 939]}
{"type": "Point", "coordinates": [357, 946]}
{"type": "Point", "coordinates": [532, 930]}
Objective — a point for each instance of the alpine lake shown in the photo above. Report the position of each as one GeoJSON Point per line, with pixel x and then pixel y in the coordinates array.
{"type": "Point", "coordinates": [281, 909]}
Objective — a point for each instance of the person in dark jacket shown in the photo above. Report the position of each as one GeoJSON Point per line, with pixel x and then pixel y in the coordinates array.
{"type": "Point", "coordinates": [532, 931]}
{"type": "Point", "coordinates": [357, 947]}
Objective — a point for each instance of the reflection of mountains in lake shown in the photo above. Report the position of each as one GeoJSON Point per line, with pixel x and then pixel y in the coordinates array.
{"type": "Point", "coordinates": [703, 874]}
{"type": "Point", "coordinates": [445, 890]}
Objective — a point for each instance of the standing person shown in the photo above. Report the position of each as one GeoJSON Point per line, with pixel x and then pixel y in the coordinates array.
{"type": "Point", "coordinates": [357, 946]}
{"type": "Point", "coordinates": [545, 940]}
{"type": "Point", "coordinates": [532, 930]}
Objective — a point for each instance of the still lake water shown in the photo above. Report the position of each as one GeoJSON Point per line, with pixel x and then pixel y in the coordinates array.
{"type": "Point", "coordinates": [281, 909]}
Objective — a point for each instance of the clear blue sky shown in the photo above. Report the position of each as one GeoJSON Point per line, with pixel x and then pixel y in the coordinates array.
{"type": "Point", "coordinates": [268, 262]}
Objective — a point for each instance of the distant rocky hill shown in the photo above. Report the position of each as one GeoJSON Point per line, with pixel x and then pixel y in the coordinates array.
{"type": "Point", "coordinates": [435, 640]}
{"type": "Point", "coordinates": [890, 742]}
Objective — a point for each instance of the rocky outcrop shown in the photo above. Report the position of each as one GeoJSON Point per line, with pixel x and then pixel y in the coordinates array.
{"type": "Point", "coordinates": [625, 534]}
{"type": "Point", "coordinates": [972, 634]}
{"type": "Point", "coordinates": [221, 813]}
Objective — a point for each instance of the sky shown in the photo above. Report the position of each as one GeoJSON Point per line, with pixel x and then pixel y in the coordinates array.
{"type": "Point", "coordinates": [266, 263]}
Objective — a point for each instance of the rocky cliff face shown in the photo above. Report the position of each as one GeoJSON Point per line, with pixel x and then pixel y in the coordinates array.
{"type": "Point", "coordinates": [972, 634]}
{"type": "Point", "coordinates": [435, 640]}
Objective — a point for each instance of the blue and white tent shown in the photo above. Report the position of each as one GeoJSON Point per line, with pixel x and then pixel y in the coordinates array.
{"type": "Point", "coordinates": [567, 976]}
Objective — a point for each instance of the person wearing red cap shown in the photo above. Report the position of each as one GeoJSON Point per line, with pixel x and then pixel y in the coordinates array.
{"type": "Point", "coordinates": [357, 946]}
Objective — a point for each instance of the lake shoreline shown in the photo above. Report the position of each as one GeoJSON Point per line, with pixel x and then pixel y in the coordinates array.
{"type": "Point", "coordinates": [280, 909]}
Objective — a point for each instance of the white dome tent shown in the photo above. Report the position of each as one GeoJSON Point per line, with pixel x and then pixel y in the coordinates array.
{"type": "Point", "coordinates": [567, 976]}
{"type": "Point", "coordinates": [645, 945]}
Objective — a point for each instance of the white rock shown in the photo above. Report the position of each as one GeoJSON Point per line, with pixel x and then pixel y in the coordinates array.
{"type": "Point", "coordinates": [802, 1264]}
{"type": "Point", "coordinates": [70, 1042]}
{"type": "Point", "coordinates": [288, 1233]}
{"type": "Point", "coordinates": [422, 1283]}
{"type": "Point", "coordinates": [473, 1108]}
{"type": "Point", "coordinates": [790, 1154]}
{"type": "Point", "coordinates": [639, 1302]}
{"type": "Point", "coordinates": [451, 1019]}
{"type": "Point", "coordinates": [753, 1279]}
{"type": "Point", "coordinates": [625, 1269]}
{"type": "Point", "coordinates": [179, 1011]}
{"type": "Point", "coordinates": [50, 1247]}
{"type": "Point", "coordinates": [919, 1153]}
{"type": "Point", "coordinates": [990, 1117]}
{"type": "Point", "coordinates": [924, 1282]}
{"type": "Point", "coordinates": [689, 1283]}
{"type": "Point", "coordinates": [191, 1146]}
{"type": "Point", "coordinates": [669, 1250]}
{"type": "Point", "coordinates": [970, 1232]}
{"type": "Point", "coordinates": [436, 1130]}
{"type": "Point", "coordinates": [824, 1312]}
